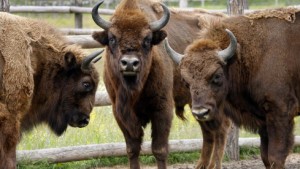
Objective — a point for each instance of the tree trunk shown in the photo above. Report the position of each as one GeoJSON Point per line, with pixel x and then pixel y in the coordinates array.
{"type": "Point", "coordinates": [78, 16]}
{"type": "Point", "coordinates": [232, 145]}
{"type": "Point", "coordinates": [4, 5]}
{"type": "Point", "coordinates": [234, 7]}
{"type": "Point", "coordinates": [183, 4]}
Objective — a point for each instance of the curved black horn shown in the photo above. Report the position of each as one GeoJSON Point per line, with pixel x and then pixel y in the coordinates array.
{"type": "Point", "coordinates": [176, 57]}
{"type": "Point", "coordinates": [157, 25]}
{"type": "Point", "coordinates": [92, 58]}
{"type": "Point", "coordinates": [97, 19]}
{"type": "Point", "coordinates": [227, 53]}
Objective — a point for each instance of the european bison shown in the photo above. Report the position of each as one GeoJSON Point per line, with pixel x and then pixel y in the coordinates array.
{"type": "Point", "coordinates": [43, 80]}
{"type": "Point", "coordinates": [138, 78]}
{"type": "Point", "coordinates": [252, 73]}
{"type": "Point", "coordinates": [182, 29]}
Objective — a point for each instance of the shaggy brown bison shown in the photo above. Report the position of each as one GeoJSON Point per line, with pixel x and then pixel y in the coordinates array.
{"type": "Point", "coordinates": [138, 78]}
{"type": "Point", "coordinates": [43, 80]}
{"type": "Point", "coordinates": [182, 29]}
{"type": "Point", "coordinates": [252, 73]}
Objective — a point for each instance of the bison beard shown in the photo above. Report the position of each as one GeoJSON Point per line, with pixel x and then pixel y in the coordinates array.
{"type": "Point", "coordinates": [125, 114]}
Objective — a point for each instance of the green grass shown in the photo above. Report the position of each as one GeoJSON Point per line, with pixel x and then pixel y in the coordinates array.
{"type": "Point", "coordinates": [103, 129]}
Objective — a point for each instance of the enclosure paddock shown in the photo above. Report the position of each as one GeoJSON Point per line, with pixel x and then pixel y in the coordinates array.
{"type": "Point", "coordinates": [84, 152]}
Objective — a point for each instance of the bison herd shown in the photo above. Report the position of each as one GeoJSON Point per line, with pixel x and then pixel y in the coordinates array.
{"type": "Point", "coordinates": [238, 69]}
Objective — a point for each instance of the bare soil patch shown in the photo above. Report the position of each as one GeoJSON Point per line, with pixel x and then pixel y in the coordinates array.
{"type": "Point", "coordinates": [292, 162]}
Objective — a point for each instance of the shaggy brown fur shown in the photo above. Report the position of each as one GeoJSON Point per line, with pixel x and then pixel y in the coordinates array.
{"type": "Point", "coordinates": [288, 14]}
{"type": "Point", "coordinates": [41, 81]}
{"type": "Point", "coordinates": [182, 30]}
{"type": "Point", "coordinates": [259, 86]}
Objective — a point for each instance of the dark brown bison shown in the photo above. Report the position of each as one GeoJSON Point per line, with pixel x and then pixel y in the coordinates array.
{"type": "Point", "coordinates": [252, 73]}
{"type": "Point", "coordinates": [182, 29]}
{"type": "Point", "coordinates": [43, 80]}
{"type": "Point", "coordinates": [138, 78]}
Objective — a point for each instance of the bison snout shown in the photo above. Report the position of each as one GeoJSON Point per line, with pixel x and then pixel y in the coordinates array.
{"type": "Point", "coordinates": [81, 120]}
{"type": "Point", "coordinates": [129, 65]}
{"type": "Point", "coordinates": [201, 114]}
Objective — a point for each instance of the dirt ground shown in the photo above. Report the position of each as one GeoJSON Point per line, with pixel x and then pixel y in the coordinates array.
{"type": "Point", "coordinates": [292, 162]}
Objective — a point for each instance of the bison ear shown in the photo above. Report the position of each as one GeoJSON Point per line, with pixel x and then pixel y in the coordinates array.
{"type": "Point", "coordinates": [158, 36]}
{"type": "Point", "coordinates": [70, 60]}
{"type": "Point", "coordinates": [101, 37]}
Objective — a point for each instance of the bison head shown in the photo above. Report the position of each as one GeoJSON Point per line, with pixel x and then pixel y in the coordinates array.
{"type": "Point", "coordinates": [129, 38]}
{"type": "Point", "coordinates": [64, 92]}
{"type": "Point", "coordinates": [203, 69]}
{"type": "Point", "coordinates": [76, 85]}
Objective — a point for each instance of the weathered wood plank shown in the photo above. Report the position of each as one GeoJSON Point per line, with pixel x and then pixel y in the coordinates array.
{"type": "Point", "coordinates": [84, 152]}
{"type": "Point", "coordinates": [86, 41]}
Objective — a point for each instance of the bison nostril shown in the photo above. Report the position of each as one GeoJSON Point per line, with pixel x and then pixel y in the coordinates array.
{"type": "Point", "coordinates": [136, 63]}
{"type": "Point", "coordinates": [85, 120]}
{"type": "Point", "coordinates": [123, 62]}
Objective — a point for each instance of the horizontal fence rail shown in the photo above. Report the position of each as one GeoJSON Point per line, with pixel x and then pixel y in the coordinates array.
{"type": "Point", "coordinates": [77, 9]}
{"type": "Point", "coordinates": [102, 99]}
{"type": "Point", "coordinates": [86, 41]}
{"type": "Point", "coordinates": [85, 152]}
{"type": "Point", "coordinates": [76, 31]}
{"type": "Point", "coordinates": [57, 9]}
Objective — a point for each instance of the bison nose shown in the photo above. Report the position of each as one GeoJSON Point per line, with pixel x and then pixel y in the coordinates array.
{"type": "Point", "coordinates": [84, 121]}
{"type": "Point", "coordinates": [200, 113]}
{"type": "Point", "coordinates": [129, 64]}
{"type": "Point", "coordinates": [80, 120]}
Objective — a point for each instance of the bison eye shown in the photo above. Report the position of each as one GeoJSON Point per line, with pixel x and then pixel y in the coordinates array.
{"type": "Point", "coordinates": [147, 42]}
{"type": "Point", "coordinates": [217, 79]}
{"type": "Point", "coordinates": [112, 41]}
{"type": "Point", "coordinates": [87, 86]}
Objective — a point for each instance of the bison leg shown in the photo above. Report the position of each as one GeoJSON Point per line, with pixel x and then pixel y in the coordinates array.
{"type": "Point", "coordinates": [160, 133]}
{"type": "Point", "coordinates": [133, 148]}
{"type": "Point", "coordinates": [133, 144]}
{"type": "Point", "coordinates": [281, 139]}
{"type": "Point", "coordinates": [207, 147]}
{"type": "Point", "coordinates": [9, 137]}
{"type": "Point", "coordinates": [220, 143]}
{"type": "Point", "coordinates": [264, 141]}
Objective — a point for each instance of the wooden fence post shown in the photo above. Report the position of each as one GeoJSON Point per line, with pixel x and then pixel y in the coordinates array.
{"type": "Point", "coordinates": [234, 7]}
{"type": "Point", "coordinates": [183, 3]}
{"type": "Point", "coordinates": [78, 16]}
{"type": "Point", "coordinates": [4, 5]}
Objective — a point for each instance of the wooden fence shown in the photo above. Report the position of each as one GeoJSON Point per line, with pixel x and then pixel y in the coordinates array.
{"type": "Point", "coordinates": [78, 11]}
{"type": "Point", "coordinates": [85, 152]}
